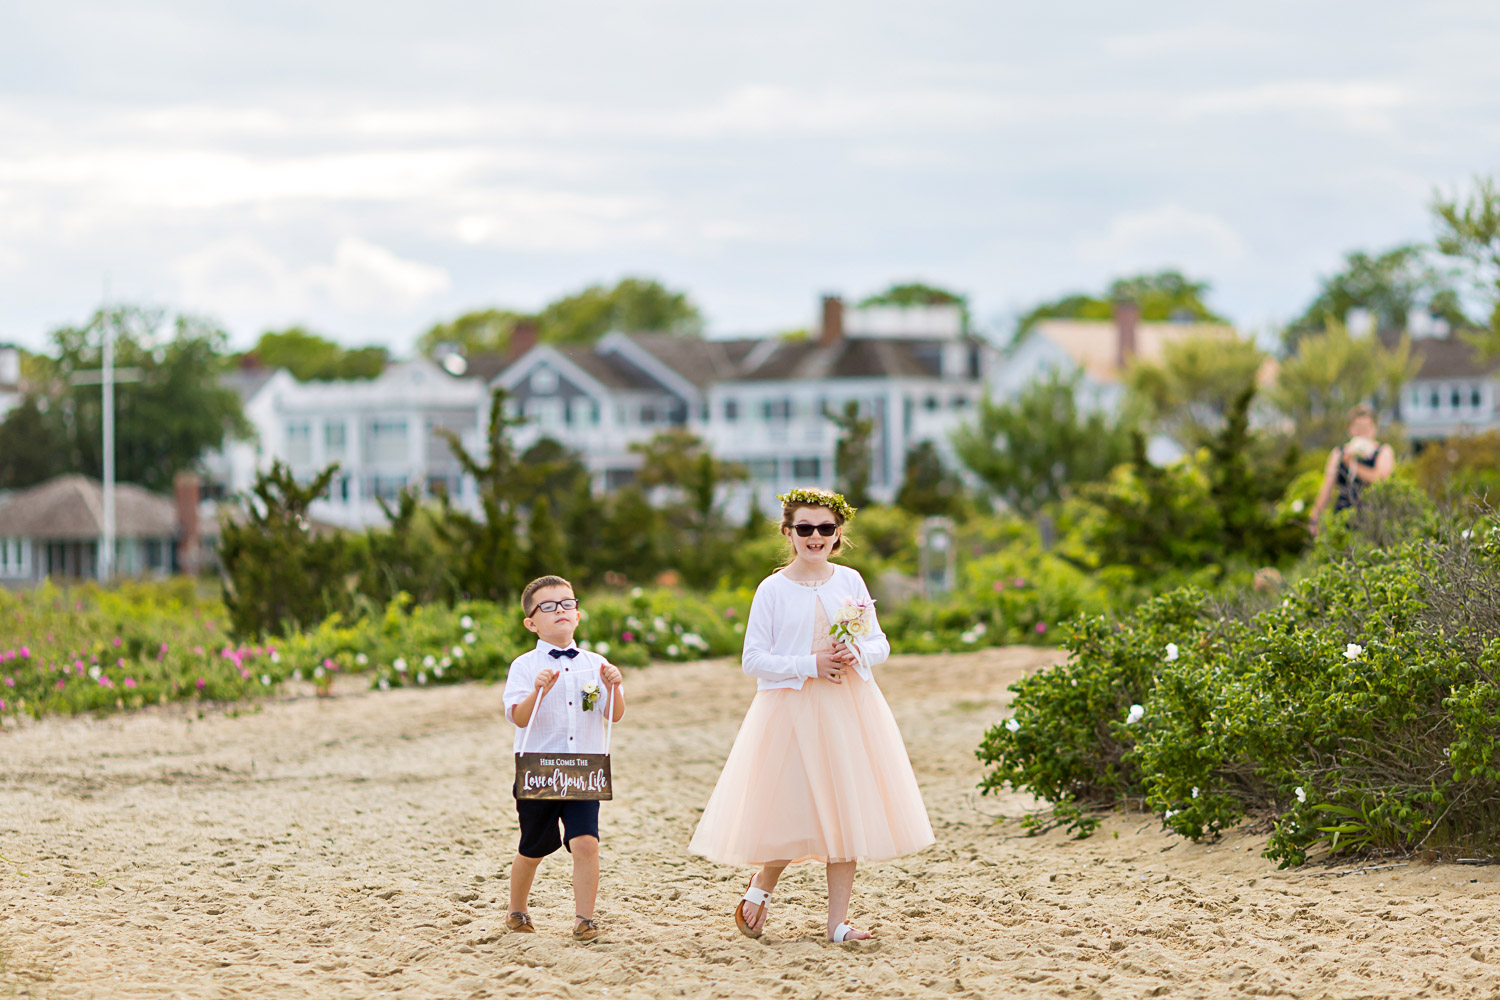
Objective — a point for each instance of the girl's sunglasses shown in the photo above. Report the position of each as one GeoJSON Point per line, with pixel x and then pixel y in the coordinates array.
{"type": "Point", "coordinates": [806, 530]}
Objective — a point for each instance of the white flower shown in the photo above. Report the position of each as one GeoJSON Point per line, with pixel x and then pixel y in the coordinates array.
{"type": "Point", "coordinates": [1074, 682]}
{"type": "Point", "coordinates": [1135, 715]}
{"type": "Point", "coordinates": [857, 628]}
{"type": "Point", "coordinates": [694, 640]}
{"type": "Point", "coordinates": [1169, 814]}
{"type": "Point", "coordinates": [636, 592]}
{"type": "Point", "coordinates": [633, 621]}
{"type": "Point", "coordinates": [421, 677]}
{"type": "Point", "coordinates": [1286, 602]}
{"type": "Point", "coordinates": [969, 637]}
{"type": "Point", "coordinates": [1297, 506]}
{"type": "Point", "coordinates": [672, 650]}
{"type": "Point", "coordinates": [319, 672]}
{"type": "Point", "coordinates": [602, 649]}
{"type": "Point", "coordinates": [361, 659]}
{"type": "Point", "coordinates": [466, 622]}
{"type": "Point", "coordinates": [1012, 724]}
{"type": "Point", "coordinates": [469, 638]}
{"type": "Point", "coordinates": [1301, 795]}
{"type": "Point", "coordinates": [437, 671]}
{"type": "Point", "coordinates": [659, 624]}
{"type": "Point", "coordinates": [1171, 651]}
{"type": "Point", "coordinates": [385, 685]}
{"type": "Point", "coordinates": [429, 661]}
{"type": "Point", "coordinates": [591, 688]}
{"type": "Point", "coordinates": [739, 627]}
{"type": "Point", "coordinates": [1195, 791]}
{"type": "Point", "coordinates": [444, 662]}
{"type": "Point", "coordinates": [275, 656]}
{"type": "Point", "coordinates": [1466, 534]}
{"type": "Point", "coordinates": [979, 628]}
{"type": "Point", "coordinates": [400, 665]}
{"type": "Point", "coordinates": [1352, 651]}
{"type": "Point", "coordinates": [585, 644]}
{"type": "Point", "coordinates": [265, 680]}
{"type": "Point", "coordinates": [297, 674]}
{"type": "Point", "coordinates": [95, 671]}
{"type": "Point", "coordinates": [458, 652]}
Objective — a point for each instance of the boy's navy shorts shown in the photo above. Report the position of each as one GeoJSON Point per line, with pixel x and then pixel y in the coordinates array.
{"type": "Point", "coordinates": [540, 819]}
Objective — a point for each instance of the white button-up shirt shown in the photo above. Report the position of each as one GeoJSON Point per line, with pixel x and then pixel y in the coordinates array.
{"type": "Point", "coordinates": [559, 723]}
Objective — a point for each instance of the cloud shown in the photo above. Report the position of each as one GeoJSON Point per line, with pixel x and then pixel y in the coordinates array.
{"type": "Point", "coordinates": [1166, 236]}
{"type": "Point", "coordinates": [1208, 38]}
{"type": "Point", "coordinates": [243, 276]}
{"type": "Point", "coordinates": [1364, 105]}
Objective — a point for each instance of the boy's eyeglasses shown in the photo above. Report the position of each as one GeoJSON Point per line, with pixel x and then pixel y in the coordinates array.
{"type": "Point", "coordinates": [546, 607]}
{"type": "Point", "coordinates": [806, 530]}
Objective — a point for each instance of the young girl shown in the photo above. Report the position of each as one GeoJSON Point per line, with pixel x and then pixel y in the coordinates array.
{"type": "Point", "coordinates": [819, 771]}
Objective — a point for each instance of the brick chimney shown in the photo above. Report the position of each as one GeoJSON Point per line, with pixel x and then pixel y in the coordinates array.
{"type": "Point", "coordinates": [522, 339]}
{"type": "Point", "coordinates": [185, 492]}
{"type": "Point", "coordinates": [832, 330]}
{"type": "Point", "coordinates": [1127, 319]}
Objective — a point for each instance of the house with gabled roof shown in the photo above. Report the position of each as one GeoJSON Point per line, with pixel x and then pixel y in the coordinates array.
{"type": "Point", "coordinates": [1456, 389]}
{"type": "Point", "coordinates": [758, 401]}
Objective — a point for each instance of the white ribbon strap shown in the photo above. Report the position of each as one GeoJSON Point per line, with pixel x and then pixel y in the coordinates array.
{"type": "Point", "coordinates": [526, 729]}
{"type": "Point", "coordinates": [609, 720]}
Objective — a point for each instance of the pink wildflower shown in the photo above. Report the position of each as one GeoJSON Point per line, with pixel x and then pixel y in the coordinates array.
{"type": "Point", "coordinates": [202, 684]}
{"type": "Point", "coordinates": [61, 684]}
{"type": "Point", "coordinates": [2, 704]}
{"type": "Point", "coordinates": [25, 653]}
{"type": "Point", "coordinates": [1020, 582]}
{"type": "Point", "coordinates": [244, 673]}
{"type": "Point", "coordinates": [120, 662]}
{"type": "Point", "coordinates": [1041, 627]}
{"type": "Point", "coordinates": [117, 642]}
{"type": "Point", "coordinates": [627, 636]}
{"type": "Point", "coordinates": [130, 682]}
{"type": "Point", "coordinates": [10, 682]}
{"type": "Point", "coordinates": [198, 650]}
{"type": "Point", "coordinates": [999, 585]}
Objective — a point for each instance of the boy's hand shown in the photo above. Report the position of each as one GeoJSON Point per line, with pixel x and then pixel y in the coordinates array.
{"type": "Point", "coordinates": [545, 678]}
{"type": "Point", "coordinates": [610, 674]}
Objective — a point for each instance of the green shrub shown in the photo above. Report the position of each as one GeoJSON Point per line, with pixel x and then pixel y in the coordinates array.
{"type": "Point", "coordinates": [1359, 711]}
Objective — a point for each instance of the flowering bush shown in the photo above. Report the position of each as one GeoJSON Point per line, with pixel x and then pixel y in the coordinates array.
{"type": "Point", "coordinates": [1360, 711]}
{"type": "Point", "coordinates": [92, 649]}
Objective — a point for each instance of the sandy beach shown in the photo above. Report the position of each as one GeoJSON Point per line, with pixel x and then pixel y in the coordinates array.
{"type": "Point", "coordinates": [357, 846]}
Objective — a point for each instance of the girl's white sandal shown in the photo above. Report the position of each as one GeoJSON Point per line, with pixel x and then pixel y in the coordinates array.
{"type": "Point", "coordinates": [755, 897]}
{"type": "Point", "coordinates": [841, 934]}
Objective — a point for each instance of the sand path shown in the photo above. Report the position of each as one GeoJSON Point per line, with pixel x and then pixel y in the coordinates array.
{"type": "Point", "coordinates": [357, 846]}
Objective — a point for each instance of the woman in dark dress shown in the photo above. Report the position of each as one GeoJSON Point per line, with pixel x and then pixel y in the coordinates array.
{"type": "Point", "coordinates": [1353, 465]}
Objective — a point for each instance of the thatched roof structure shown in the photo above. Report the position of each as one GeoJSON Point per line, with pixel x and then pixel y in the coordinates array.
{"type": "Point", "coordinates": [72, 507]}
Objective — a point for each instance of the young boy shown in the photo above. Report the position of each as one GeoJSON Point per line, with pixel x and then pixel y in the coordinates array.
{"type": "Point", "coordinates": [555, 673]}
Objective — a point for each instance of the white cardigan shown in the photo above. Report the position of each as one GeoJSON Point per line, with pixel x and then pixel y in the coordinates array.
{"type": "Point", "coordinates": [779, 632]}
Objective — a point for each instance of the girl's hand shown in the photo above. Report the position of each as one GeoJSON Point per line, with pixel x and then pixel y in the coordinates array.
{"type": "Point", "coordinates": [610, 674]}
{"type": "Point", "coordinates": [845, 652]}
{"type": "Point", "coordinates": [545, 678]}
{"type": "Point", "coordinates": [831, 666]}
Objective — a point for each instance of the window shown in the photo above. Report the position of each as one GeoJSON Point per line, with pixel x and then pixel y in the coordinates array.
{"type": "Point", "coordinates": [930, 404]}
{"type": "Point", "coordinates": [1432, 401]}
{"type": "Point", "coordinates": [334, 433]}
{"type": "Point", "coordinates": [1475, 399]}
{"type": "Point", "coordinates": [960, 402]}
{"type": "Point", "coordinates": [387, 440]}
{"type": "Point", "coordinates": [15, 558]}
{"type": "Point", "coordinates": [778, 409]}
{"type": "Point", "coordinates": [648, 415]}
{"type": "Point", "coordinates": [615, 479]}
{"type": "Point", "coordinates": [546, 413]}
{"type": "Point", "coordinates": [153, 554]}
{"type": "Point", "coordinates": [1416, 399]}
{"type": "Point", "coordinates": [386, 487]}
{"type": "Point", "coordinates": [762, 469]}
{"type": "Point", "coordinates": [438, 485]}
{"type": "Point", "coordinates": [543, 381]}
{"type": "Point", "coordinates": [731, 410]}
{"type": "Point", "coordinates": [299, 443]}
{"type": "Point", "coordinates": [806, 468]}
{"type": "Point", "coordinates": [1455, 398]}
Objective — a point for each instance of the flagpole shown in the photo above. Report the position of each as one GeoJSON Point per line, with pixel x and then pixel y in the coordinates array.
{"type": "Point", "coordinates": [107, 549]}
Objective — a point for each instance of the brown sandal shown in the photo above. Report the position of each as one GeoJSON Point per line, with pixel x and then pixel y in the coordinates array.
{"type": "Point", "coordinates": [587, 929]}
{"type": "Point", "coordinates": [755, 897]}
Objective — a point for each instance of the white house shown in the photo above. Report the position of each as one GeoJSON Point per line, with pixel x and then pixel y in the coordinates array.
{"type": "Point", "coordinates": [1455, 391]}
{"type": "Point", "coordinates": [759, 401]}
{"type": "Point", "coordinates": [384, 433]}
{"type": "Point", "coordinates": [10, 378]}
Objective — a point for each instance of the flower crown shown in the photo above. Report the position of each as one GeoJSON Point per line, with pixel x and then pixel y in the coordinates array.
{"type": "Point", "coordinates": [819, 498]}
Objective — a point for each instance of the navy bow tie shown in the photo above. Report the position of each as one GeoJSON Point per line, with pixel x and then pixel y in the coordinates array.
{"type": "Point", "coordinates": [558, 653]}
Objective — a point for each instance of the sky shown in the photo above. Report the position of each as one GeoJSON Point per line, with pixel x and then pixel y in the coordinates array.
{"type": "Point", "coordinates": [367, 169]}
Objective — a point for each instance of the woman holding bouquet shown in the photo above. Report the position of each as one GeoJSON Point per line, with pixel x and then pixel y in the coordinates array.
{"type": "Point", "coordinates": [818, 771]}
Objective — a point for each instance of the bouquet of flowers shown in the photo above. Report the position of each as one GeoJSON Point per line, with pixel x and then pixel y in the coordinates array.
{"type": "Point", "coordinates": [853, 620]}
{"type": "Point", "coordinates": [590, 696]}
{"type": "Point", "coordinates": [1362, 447]}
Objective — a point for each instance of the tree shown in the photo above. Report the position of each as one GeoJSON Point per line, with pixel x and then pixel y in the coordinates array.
{"type": "Point", "coordinates": [851, 456]}
{"type": "Point", "coordinates": [1469, 231]}
{"type": "Point", "coordinates": [34, 444]}
{"type": "Point", "coordinates": [280, 574]}
{"type": "Point", "coordinates": [165, 421]}
{"type": "Point", "coordinates": [1389, 285]}
{"type": "Point", "coordinates": [1189, 394]}
{"type": "Point", "coordinates": [1332, 372]}
{"type": "Point", "coordinates": [1034, 450]}
{"type": "Point", "coordinates": [928, 487]}
{"type": "Point", "coordinates": [917, 294]}
{"type": "Point", "coordinates": [678, 461]}
{"type": "Point", "coordinates": [633, 305]}
{"type": "Point", "coordinates": [479, 332]}
{"type": "Point", "coordinates": [1164, 295]}
{"type": "Point", "coordinates": [309, 356]}
{"type": "Point", "coordinates": [490, 564]}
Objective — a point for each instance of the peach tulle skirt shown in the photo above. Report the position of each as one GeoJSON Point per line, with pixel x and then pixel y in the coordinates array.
{"type": "Point", "coordinates": [819, 774]}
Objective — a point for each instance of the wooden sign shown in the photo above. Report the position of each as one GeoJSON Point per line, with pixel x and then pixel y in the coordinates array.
{"type": "Point", "coordinates": [553, 776]}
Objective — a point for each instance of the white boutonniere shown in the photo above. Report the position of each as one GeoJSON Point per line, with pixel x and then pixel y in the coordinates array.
{"type": "Point", "coordinates": [590, 696]}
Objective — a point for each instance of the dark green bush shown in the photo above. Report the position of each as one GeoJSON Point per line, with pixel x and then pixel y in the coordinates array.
{"type": "Point", "coordinates": [1359, 711]}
